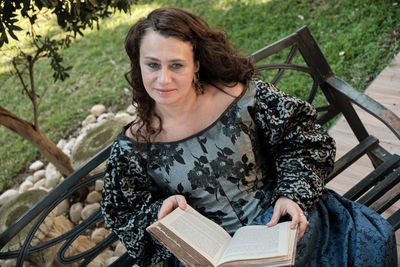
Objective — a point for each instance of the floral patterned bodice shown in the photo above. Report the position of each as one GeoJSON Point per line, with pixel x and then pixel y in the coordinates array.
{"type": "Point", "coordinates": [264, 145]}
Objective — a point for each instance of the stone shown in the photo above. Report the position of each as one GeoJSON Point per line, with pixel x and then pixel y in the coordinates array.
{"type": "Point", "coordinates": [37, 165]}
{"type": "Point", "coordinates": [51, 182]}
{"type": "Point", "coordinates": [42, 188]}
{"type": "Point", "coordinates": [120, 249]}
{"type": "Point", "coordinates": [75, 212]}
{"type": "Point", "coordinates": [131, 109]}
{"type": "Point", "coordinates": [99, 185]}
{"type": "Point", "coordinates": [61, 144]}
{"type": "Point", "coordinates": [13, 209]}
{"type": "Point", "coordinates": [25, 186]}
{"type": "Point", "coordinates": [105, 116]}
{"type": "Point", "coordinates": [109, 261]}
{"type": "Point", "coordinates": [68, 146]}
{"type": "Point", "coordinates": [47, 224]}
{"type": "Point", "coordinates": [39, 238]}
{"type": "Point", "coordinates": [39, 183]}
{"type": "Point", "coordinates": [107, 253]}
{"type": "Point", "coordinates": [63, 207]}
{"type": "Point", "coordinates": [125, 115]}
{"type": "Point", "coordinates": [44, 229]}
{"type": "Point", "coordinates": [93, 140]}
{"type": "Point", "coordinates": [97, 262]}
{"type": "Point", "coordinates": [48, 257]}
{"type": "Point", "coordinates": [115, 244]}
{"type": "Point", "coordinates": [89, 119]}
{"type": "Point", "coordinates": [97, 110]}
{"type": "Point", "coordinates": [29, 178]}
{"type": "Point", "coordinates": [7, 196]}
{"type": "Point", "coordinates": [52, 176]}
{"type": "Point", "coordinates": [38, 175]}
{"type": "Point", "coordinates": [88, 210]}
{"type": "Point", "coordinates": [99, 234]}
{"type": "Point", "coordinates": [93, 197]}
{"type": "Point", "coordinates": [80, 245]}
{"type": "Point", "coordinates": [58, 226]}
{"type": "Point", "coordinates": [10, 263]}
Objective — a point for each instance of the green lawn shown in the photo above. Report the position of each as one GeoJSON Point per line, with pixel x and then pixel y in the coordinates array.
{"type": "Point", "coordinates": [367, 31]}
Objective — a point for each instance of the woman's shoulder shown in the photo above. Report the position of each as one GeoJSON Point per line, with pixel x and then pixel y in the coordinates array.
{"type": "Point", "coordinates": [224, 92]}
{"type": "Point", "coordinates": [263, 88]}
{"type": "Point", "coordinates": [268, 93]}
{"type": "Point", "coordinates": [251, 91]}
{"type": "Point", "coordinates": [122, 144]}
{"type": "Point", "coordinates": [256, 87]}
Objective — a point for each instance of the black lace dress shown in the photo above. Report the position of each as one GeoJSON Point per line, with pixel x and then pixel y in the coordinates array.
{"type": "Point", "coordinates": [264, 145]}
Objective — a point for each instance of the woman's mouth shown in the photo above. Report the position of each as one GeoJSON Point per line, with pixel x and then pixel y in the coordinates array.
{"type": "Point", "coordinates": [164, 91]}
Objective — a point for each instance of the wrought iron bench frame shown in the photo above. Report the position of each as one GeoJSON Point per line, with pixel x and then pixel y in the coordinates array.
{"type": "Point", "coordinates": [378, 190]}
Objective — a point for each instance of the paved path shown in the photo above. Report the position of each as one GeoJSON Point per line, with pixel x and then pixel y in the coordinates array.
{"type": "Point", "coordinates": [386, 90]}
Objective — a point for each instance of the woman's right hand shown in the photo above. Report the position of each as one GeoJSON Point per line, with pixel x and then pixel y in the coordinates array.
{"type": "Point", "coordinates": [170, 204]}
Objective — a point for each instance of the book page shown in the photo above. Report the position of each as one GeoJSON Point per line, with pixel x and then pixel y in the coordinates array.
{"type": "Point", "coordinates": [258, 242]}
{"type": "Point", "coordinates": [186, 254]}
{"type": "Point", "coordinates": [205, 236]}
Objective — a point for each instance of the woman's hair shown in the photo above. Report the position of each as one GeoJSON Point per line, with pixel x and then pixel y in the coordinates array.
{"type": "Point", "coordinates": [219, 62]}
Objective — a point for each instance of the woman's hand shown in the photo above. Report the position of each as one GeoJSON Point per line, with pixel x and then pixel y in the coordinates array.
{"type": "Point", "coordinates": [285, 206]}
{"type": "Point", "coordinates": [170, 204]}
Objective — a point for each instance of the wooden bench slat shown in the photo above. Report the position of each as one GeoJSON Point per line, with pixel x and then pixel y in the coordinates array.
{"type": "Point", "coordinates": [394, 220]}
{"type": "Point", "coordinates": [387, 200]}
{"type": "Point", "coordinates": [383, 186]}
{"type": "Point", "coordinates": [352, 156]}
{"type": "Point", "coordinates": [371, 179]}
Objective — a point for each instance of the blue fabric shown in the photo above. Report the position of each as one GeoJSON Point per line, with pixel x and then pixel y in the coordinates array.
{"type": "Point", "coordinates": [340, 233]}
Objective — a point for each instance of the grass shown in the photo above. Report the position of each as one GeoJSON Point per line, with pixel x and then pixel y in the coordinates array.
{"type": "Point", "coordinates": [367, 31]}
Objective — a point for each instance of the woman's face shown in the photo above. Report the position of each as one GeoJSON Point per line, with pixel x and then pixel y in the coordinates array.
{"type": "Point", "coordinates": [167, 67]}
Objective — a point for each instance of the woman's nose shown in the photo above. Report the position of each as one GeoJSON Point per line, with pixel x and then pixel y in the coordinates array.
{"type": "Point", "coordinates": [165, 75]}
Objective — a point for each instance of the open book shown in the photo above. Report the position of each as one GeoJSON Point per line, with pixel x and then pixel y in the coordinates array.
{"type": "Point", "coordinates": [198, 241]}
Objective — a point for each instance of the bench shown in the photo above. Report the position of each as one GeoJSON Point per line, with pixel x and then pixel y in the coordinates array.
{"type": "Point", "coordinates": [379, 190]}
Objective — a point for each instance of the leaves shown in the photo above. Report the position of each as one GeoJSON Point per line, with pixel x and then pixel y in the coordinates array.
{"type": "Point", "coordinates": [227, 151]}
{"type": "Point", "coordinates": [180, 188]}
{"type": "Point", "coordinates": [167, 169]}
{"type": "Point", "coordinates": [3, 38]}
{"type": "Point", "coordinates": [203, 160]}
{"type": "Point", "coordinates": [179, 158]}
{"type": "Point", "coordinates": [202, 141]}
{"type": "Point", "coordinates": [221, 191]}
{"type": "Point", "coordinates": [72, 16]}
{"type": "Point", "coordinates": [232, 179]}
{"type": "Point", "coordinates": [210, 190]}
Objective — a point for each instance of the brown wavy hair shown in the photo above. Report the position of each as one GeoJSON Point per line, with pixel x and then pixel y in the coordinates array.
{"type": "Point", "coordinates": [219, 61]}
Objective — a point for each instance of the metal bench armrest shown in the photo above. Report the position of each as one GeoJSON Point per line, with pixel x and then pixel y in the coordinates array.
{"type": "Point", "coordinates": [386, 116]}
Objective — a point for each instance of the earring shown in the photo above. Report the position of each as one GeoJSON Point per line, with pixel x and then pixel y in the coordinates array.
{"type": "Point", "coordinates": [198, 86]}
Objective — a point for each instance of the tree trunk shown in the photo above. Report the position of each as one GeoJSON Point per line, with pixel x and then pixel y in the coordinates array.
{"type": "Point", "coordinates": [48, 149]}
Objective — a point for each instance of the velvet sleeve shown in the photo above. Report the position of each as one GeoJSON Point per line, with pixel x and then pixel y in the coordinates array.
{"type": "Point", "coordinates": [130, 204]}
{"type": "Point", "coordinates": [302, 151]}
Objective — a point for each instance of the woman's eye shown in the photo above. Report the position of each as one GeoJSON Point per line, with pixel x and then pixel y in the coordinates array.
{"type": "Point", "coordinates": [176, 66]}
{"type": "Point", "coordinates": [152, 65]}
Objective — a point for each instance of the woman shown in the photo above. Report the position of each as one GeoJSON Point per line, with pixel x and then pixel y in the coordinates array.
{"type": "Point", "coordinates": [234, 147]}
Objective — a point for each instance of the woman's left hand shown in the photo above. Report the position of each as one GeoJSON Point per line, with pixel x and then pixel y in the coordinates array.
{"type": "Point", "coordinates": [285, 206]}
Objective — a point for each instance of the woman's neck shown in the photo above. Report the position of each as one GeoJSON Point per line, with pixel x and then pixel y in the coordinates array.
{"type": "Point", "coordinates": [178, 111]}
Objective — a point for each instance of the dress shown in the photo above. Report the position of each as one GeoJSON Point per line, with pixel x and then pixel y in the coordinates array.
{"type": "Point", "coordinates": [264, 145]}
